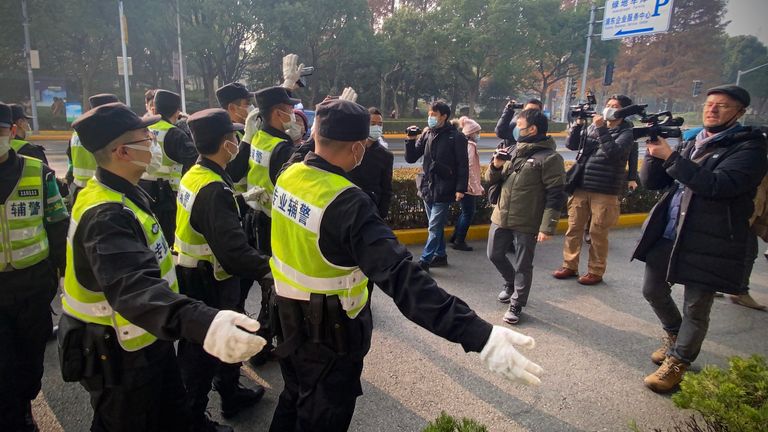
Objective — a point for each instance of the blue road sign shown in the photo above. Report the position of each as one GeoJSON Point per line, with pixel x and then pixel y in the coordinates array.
{"type": "Point", "coordinates": [626, 18]}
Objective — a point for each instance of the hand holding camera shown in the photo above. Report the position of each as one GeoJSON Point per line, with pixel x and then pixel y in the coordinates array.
{"type": "Point", "coordinates": [499, 157]}
{"type": "Point", "coordinates": [659, 149]}
{"type": "Point", "coordinates": [413, 131]}
{"type": "Point", "coordinates": [513, 104]}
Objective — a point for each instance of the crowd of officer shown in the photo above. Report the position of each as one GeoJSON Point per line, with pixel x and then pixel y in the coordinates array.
{"type": "Point", "coordinates": [163, 236]}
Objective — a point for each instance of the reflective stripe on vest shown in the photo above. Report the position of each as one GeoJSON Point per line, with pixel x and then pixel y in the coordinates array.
{"type": "Point", "coordinates": [192, 246]}
{"type": "Point", "coordinates": [300, 199]}
{"type": "Point", "coordinates": [262, 146]}
{"type": "Point", "coordinates": [17, 144]}
{"type": "Point", "coordinates": [24, 241]}
{"type": "Point", "coordinates": [169, 170]}
{"type": "Point", "coordinates": [83, 162]}
{"type": "Point", "coordinates": [91, 306]}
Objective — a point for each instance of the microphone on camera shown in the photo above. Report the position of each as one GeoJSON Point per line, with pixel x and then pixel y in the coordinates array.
{"type": "Point", "coordinates": [630, 110]}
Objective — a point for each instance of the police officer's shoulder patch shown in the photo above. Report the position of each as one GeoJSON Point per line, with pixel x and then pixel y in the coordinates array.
{"type": "Point", "coordinates": [155, 228]}
{"type": "Point", "coordinates": [26, 193]}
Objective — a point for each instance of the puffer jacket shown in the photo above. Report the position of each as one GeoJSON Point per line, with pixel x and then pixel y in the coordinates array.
{"type": "Point", "coordinates": [608, 151]}
{"type": "Point", "coordinates": [445, 165]}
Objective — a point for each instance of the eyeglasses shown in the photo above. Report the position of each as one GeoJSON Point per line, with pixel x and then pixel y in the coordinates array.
{"type": "Point", "coordinates": [720, 106]}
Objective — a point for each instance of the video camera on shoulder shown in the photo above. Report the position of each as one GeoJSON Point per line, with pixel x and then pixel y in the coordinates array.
{"type": "Point", "coordinates": [660, 124]}
{"type": "Point", "coordinates": [585, 110]}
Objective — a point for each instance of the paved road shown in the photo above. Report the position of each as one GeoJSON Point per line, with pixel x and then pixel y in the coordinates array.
{"type": "Point", "coordinates": [593, 344]}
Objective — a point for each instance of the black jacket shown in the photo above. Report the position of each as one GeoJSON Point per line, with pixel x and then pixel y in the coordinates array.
{"type": "Point", "coordinates": [238, 168]}
{"type": "Point", "coordinates": [608, 151]}
{"type": "Point", "coordinates": [33, 150]}
{"type": "Point", "coordinates": [445, 165]}
{"type": "Point", "coordinates": [713, 226]}
{"type": "Point", "coordinates": [505, 126]}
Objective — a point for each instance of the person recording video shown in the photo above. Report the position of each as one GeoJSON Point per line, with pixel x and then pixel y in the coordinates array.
{"type": "Point", "coordinates": [508, 121]}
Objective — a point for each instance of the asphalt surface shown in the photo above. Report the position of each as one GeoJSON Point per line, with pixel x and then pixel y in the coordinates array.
{"type": "Point", "coordinates": [593, 343]}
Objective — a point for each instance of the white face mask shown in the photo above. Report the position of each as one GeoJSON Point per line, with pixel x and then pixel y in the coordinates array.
{"type": "Point", "coordinates": [296, 131]}
{"type": "Point", "coordinates": [5, 145]}
{"type": "Point", "coordinates": [155, 162]}
{"type": "Point", "coordinates": [232, 156]}
{"type": "Point", "coordinates": [608, 113]}
{"type": "Point", "coordinates": [374, 132]}
{"type": "Point", "coordinates": [359, 162]}
{"type": "Point", "coordinates": [289, 124]}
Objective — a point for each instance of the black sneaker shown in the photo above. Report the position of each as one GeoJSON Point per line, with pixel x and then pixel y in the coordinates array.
{"type": "Point", "coordinates": [439, 261]}
{"type": "Point", "coordinates": [462, 247]}
{"type": "Point", "coordinates": [512, 316]}
{"type": "Point", "coordinates": [240, 399]}
{"type": "Point", "coordinates": [424, 265]}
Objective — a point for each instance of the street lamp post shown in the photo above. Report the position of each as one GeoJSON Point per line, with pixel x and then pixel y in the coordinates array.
{"type": "Point", "coordinates": [126, 80]}
{"type": "Point", "coordinates": [30, 76]}
{"type": "Point", "coordinates": [181, 60]}
{"type": "Point", "coordinates": [740, 73]}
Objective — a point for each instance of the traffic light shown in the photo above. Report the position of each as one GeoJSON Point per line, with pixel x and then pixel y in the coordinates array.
{"type": "Point", "coordinates": [572, 87]}
{"type": "Point", "coordinates": [697, 87]}
{"type": "Point", "coordinates": [608, 78]}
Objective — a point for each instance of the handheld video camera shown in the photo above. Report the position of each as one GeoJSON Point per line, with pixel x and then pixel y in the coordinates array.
{"type": "Point", "coordinates": [658, 125]}
{"type": "Point", "coordinates": [585, 110]}
{"type": "Point", "coordinates": [413, 131]}
{"type": "Point", "coordinates": [515, 105]}
{"type": "Point", "coordinates": [305, 72]}
{"type": "Point", "coordinates": [502, 154]}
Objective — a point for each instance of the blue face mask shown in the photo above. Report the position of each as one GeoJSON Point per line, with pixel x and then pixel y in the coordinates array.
{"type": "Point", "coordinates": [431, 121]}
{"type": "Point", "coordinates": [516, 134]}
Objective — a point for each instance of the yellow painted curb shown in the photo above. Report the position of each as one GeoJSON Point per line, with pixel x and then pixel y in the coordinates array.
{"type": "Point", "coordinates": [49, 137]}
{"type": "Point", "coordinates": [480, 232]}
{"type": "Point", "coordinates": [482, 135]}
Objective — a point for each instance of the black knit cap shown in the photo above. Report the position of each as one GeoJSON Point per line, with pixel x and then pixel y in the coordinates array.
{"type": "Point", "coordinates": [209, 125]}
{"type": "Point", "coordinates": [6, 118]}
{"type": "Point", "coordinates": [167, 102]}
{"type": "Point", "coordinates": [17, 112]}
{"type": "Point", "coordinates": [231, 92]}
{"type": "Point", "coordinates": [343, 120]}
{"type": "Point", "coordinates": [734, 91]}
{"type": "Point", "coordinates": [271, 96]}
{"type": "Point", "coordinates": [101, 99]}
{"type": "Point", "coordinates": [99, 126]}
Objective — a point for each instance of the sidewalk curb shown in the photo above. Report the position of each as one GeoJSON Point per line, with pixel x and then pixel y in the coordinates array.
{"type": "Point", "coordinates": [49, 137]}
{"type": "Point", "coordinates": [480, 232]}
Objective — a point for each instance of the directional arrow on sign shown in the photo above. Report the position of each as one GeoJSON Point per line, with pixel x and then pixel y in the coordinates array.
{"type": "Point", "coordinates": [635, 31]}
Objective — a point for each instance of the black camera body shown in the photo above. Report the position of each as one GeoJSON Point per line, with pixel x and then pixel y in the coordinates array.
{"type": "Point", "coordinates": [305, 72]}
{"type": "Point", "coordinates": [517, 106]}
{"type": "Point", "coordinates": [658, 125]}
{"type": "Point", "coordinates": [585, 110]}
{"type": "Point", "coordinates": [502, 154]}
{"type": "Point", "coordinates": [413, 131]}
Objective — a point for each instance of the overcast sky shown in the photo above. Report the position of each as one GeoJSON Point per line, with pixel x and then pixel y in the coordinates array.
{"type": "Point", "coordinates": [748, 17]}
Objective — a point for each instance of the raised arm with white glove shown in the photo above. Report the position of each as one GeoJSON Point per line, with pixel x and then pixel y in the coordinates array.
{"type": "Point", "coordinates": [229, 340]}
{"type": "Point", "coordinates": [349, 94]}
{"type": "Point", "coordinates": [252, 125]}
{"type": "Point", "coordinates": [500, 355]}
{"type": "Point", "coordinates": [256, 195]}
{"type": "Point", "coordinates": [291, 71]}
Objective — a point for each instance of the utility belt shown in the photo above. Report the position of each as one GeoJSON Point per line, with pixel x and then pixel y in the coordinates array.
{"type": "Point", "coordinates": [88, 350]}
{"type": "Point", "coordinates": [321, 320]}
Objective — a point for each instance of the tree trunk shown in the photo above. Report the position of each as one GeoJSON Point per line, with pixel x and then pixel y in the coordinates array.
{"type": "Point", "coordinates": [382, 95]}
{"type": "Point", "coordinates": [472, 96]}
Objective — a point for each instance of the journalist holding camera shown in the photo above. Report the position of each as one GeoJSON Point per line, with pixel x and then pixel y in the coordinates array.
{"type": "Point", "coordinates": [445, 175]}
{"type": "Point", "coordinates": [595, 183]}
{"type": "Point", "coordinates": [505, 128]}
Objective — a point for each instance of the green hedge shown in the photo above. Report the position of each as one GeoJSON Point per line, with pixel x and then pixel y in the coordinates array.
{"type": "Point", "coordinates": [399, 125]}
{"type": "Point", "coordinates": [407, 209]}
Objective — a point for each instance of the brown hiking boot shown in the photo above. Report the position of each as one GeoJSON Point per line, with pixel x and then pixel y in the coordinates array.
{"type": "Point", "coordinates": [667, 376]}
{"type": "Point", "coordinates": [564, 273]}
{"type": "Point", "coordinates": [667, 341]}
{"type": "Point", "coordinates": [590, 279]}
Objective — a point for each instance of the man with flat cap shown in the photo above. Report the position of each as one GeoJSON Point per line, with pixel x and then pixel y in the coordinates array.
{"type": "Point", "coordinates": [33, 229]}
{"type": "Point", "coordinates": [698, 234]}
{"type": "Point", "coordinates": [213, 254]}
{"type": "Point", "coordinates": [327, 240]}
{"type": "Point", "coordinates": [122, 309]}
{"type": "Point", "coordinates": [178, 155]}
{"type": "Point", "coordinates": [19, 143]}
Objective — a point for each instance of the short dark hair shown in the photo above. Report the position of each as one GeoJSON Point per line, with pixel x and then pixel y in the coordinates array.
{"type": "Point", "coordinates": [374, 111]}
{"type": "Point", "coordinates": [536, 102]}
{"type": "Point", "coordinates": [441, 107]}
{"type": "Point", "coordinates": [536, 118]}
{"type": "Point", "coordinates": [624, 101]}
{"type": "Point", "coordinates": [149, 95]}
{"type": "Point", "coordinates": [210, 147]}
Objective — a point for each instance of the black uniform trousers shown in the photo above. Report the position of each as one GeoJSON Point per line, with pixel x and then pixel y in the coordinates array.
{"type": "Point", "coordinates": [321, 384]}
{"type": "Point", "coordinates": [25, 328]}
{"type": "Point", "coordinates": [258, 226]}
{"type": "Point", "coordinates": [148, 395]}
{"type": "Point", "coordinates": [163, 206]}
{"type": "Point", "coordinates": [200, 370]}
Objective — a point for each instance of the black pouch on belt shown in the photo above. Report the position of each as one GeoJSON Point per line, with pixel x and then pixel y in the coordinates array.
{"type": "Point", "coordinates": [336, 324]}
{"type": "Point", "coordinates": [108, 353]}
{"type": "Point", "coordinates": [71, 347]}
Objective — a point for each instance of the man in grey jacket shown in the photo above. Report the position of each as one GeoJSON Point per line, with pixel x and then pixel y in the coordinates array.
{"type": "Point", "coordinates": [532, 196]}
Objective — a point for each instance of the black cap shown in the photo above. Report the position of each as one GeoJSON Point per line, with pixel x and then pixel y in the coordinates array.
{"type": "Point", "coordinates": [733, 91]}
{"type": "Point", "coordinates": [99, 126]}
{"type": "Point", "coordinates": [209, 125]}
{"type": "Point", "coordinates": [17, 112]}
{"type": "Point", "coordinates": [101, 99]}
{"type": "Point", "coordinates": [271, 96]}
{"type": "Point", "coordinates": [232, 92]}
{"type": "Point", "coordinates": [6, 118]}
{"type": "Point", "coordinates": [343, 120]}
{"type": "Point", "coordinates": [167, 102]}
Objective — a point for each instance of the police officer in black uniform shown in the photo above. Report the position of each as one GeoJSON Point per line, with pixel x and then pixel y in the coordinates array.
{"type": "Point", "coordinates": [19, 143]}
{"type": "Point", "coordinates": [208, 214]}
{"type": "Point", "coordinates": [178, 150]}
{"type": "Point", "coordinates": [326, 336]}
{"type": "Point", "coordinates": [115, 281]}
{"type": "Point", "coordinates": [29, 272]}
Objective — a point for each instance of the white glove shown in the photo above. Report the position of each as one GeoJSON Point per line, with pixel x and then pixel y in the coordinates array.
{"type": "Point", "coordinates": [291, 72]}
{"type": "Point", "coordinates": [501, 357]}
{"type": "Point", "coordinates": [349, 94]}
{"type": "Point", "coordinates": [252, 125]}
{"type": "Point", "coordinates": [254, 195]}
{"type": "Point", "coordinates": [227, 341]}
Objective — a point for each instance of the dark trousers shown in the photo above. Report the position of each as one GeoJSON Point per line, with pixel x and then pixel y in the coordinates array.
{"type": "Point", "coordinates": [321, 386]}
{"type": "Point", "coordinates": [150, 396]}
{"type": "Point", "coordinates": [692, 326]}
{"type": "Point", "coordinates": [517, 272]}
{"type": "Point", "coordinates": [25, 327]}
{"type": "Point", "coordinates": [467, 205]}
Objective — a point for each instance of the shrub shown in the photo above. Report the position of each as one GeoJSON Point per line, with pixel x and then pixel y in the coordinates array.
{"type": "Point", "coordinates": [446, 423]}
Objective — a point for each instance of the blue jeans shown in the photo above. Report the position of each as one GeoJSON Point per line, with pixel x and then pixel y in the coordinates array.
{"type": "Point", "coordinates": [465, 218]}
{"type": "Point", "coordinates": [437, 213]}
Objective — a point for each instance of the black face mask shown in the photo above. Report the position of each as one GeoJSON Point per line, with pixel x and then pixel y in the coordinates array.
{"type": "Point", "coordinates": [724, 126]}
